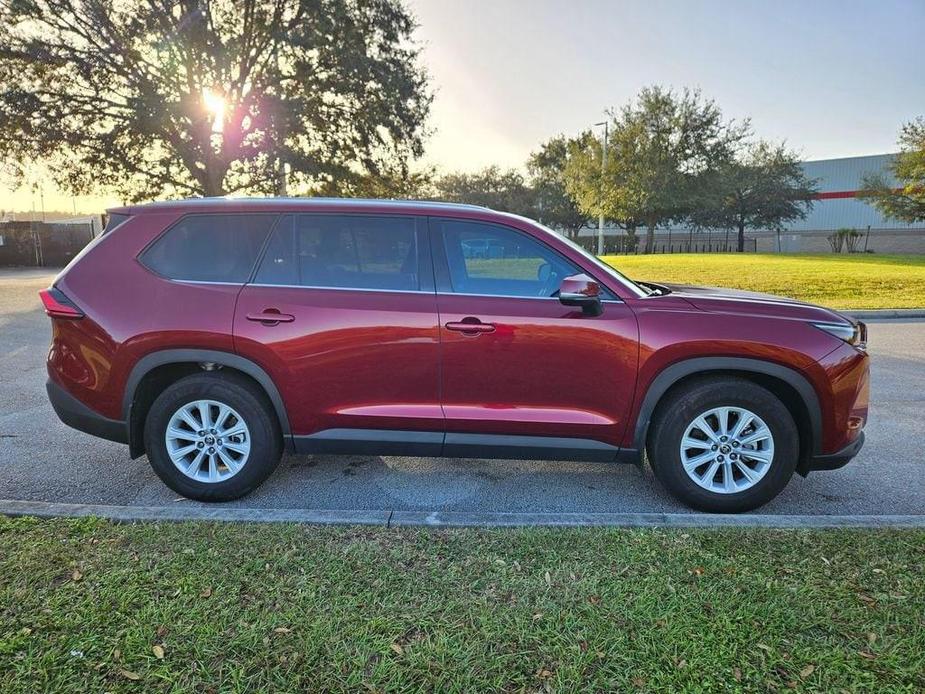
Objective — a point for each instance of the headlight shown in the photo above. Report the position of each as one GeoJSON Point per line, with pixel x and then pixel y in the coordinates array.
{"type": "Point", "coordinates": [855, 335]}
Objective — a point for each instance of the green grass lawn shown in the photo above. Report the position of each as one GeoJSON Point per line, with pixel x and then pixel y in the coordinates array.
{"type": "Point", "coordinates": [87, 605]}
{"type": "Point", "coordinates": [842, 281]}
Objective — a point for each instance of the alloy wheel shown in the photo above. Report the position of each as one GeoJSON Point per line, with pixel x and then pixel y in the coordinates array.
{"type": "Point", "coordinates": [727, 450]}
{"type": "Point", "coordinates": [208, 441]}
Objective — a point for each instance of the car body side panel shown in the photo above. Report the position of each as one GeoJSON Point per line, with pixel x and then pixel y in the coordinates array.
{"type": "Point", "coordinates": [545, 370]}
{"type": "Point", "coordinates": [671, 331]}
{"type": "Point", "coordinates": [349, 359]}
{"type": "Point", "coordinates": [131, 312]}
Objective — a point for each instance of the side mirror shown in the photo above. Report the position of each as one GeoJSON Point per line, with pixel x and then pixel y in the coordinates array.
{"type": "Point", "coordinates": [581, 290]}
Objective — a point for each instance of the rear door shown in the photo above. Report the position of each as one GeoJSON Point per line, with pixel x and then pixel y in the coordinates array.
{"type": "Point", "coordinates": [516, 363]}
{"type": "Point", "coordinates": [342, 312]}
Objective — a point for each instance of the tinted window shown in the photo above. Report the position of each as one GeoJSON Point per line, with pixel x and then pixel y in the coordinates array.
{"type": "Point", "coordinates": [499, 261]}
{"type": "Point", "coordinates": [210, 247]}
{"type": "Point", "coordinates": [343, 251]}
{"type": "Point", "coordinates": [114, 221]}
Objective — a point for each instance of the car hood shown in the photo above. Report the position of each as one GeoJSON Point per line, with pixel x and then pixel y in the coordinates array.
{"type": "Point", "coordinates": [722, 300]}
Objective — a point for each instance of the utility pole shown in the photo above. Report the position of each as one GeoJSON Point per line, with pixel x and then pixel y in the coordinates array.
{"type": "Point", "coordinates": [281, 187]}
{"type": "Point", "coordinates": [600, 219]}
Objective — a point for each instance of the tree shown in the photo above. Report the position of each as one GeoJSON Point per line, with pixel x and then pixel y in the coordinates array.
{"type": "Point", "coordinates": [503, 190]}
{"type": "Point", "coordinates": [187, 97]}
{"type": "Point", "coordinates": [761, 187]}
{"type": "Point", "coordinates": [906, 203]}
{"type": "Point", "coordinates": [387, 184]}
{"type": "Point", "coordinates": [555, 206]}
{"type": "Point", "coordinates": [660, 147]}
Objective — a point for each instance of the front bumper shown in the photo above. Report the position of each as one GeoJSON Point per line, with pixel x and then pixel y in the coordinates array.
{"type": "Point", "coordinates": [78, 416]}
{"type": "Point", "coordinates": [833, 461]}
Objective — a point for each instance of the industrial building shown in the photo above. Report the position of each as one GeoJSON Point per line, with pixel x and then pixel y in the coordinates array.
{"type": "Point", "coordinates": [836, 207]}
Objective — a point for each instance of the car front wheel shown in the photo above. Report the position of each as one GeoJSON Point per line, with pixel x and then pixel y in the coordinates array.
{"type": "Point", "coordinates": [723, 445]}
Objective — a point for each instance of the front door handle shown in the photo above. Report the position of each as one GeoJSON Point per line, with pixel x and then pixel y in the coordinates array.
{"type": "Point", "coordinates": [470, 326]}
{"type": "Point", "coordinates": [270, 316]}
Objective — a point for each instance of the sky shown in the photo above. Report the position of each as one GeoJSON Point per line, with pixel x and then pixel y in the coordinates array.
{"type": "Point", "coordinates": [832, 79]}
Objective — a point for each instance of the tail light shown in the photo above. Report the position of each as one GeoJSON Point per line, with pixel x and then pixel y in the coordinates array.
{"type": "Point", "coordinates": [57, 305]}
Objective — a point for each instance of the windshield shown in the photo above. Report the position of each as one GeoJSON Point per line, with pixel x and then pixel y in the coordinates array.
{"type": "Point", "coordinates": [604, 267]}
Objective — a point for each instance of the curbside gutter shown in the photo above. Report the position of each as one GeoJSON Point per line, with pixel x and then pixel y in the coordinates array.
{"type": "Point", "coordinates": [444, 519]}
{"type": "Point", "coordinates": [887, 313]}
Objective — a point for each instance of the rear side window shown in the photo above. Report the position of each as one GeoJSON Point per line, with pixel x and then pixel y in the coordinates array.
{"type": "Point", "coordinates": [113, 221]}
{"type": "Point", "coordinates": [344, 252]}
{"type": "Point", "coordinates": [210, 247]}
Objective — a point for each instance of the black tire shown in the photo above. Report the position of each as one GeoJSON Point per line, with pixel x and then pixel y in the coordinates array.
{"type": "Point", "coordinates": [679, 409]}
{"type": "Point", "coordinates": [242, 396]}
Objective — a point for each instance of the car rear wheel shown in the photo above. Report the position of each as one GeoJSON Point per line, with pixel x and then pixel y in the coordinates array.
{"type": "Point", "coordinates": [723, 445]}
{"type": "Point", "coordinates": [212, 437]}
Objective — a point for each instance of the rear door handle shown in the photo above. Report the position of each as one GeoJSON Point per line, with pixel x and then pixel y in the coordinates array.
{"type": "Point", "coordinates": [470, 326]}
{"type": "Point", "coordinates": [270, 316]}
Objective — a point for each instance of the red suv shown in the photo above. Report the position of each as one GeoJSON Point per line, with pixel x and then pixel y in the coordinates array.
{"type": "Point", "coordinates": [214, 334]}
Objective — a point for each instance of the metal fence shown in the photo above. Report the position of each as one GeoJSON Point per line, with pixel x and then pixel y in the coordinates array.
{"type": "Point", "coordinates": [40, 244]}
{"type": "Point", "coordinates": [628, 245]}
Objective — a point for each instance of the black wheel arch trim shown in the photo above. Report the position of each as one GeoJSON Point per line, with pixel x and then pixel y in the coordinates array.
{"type": "Point", "coordinates": [197, 356]}
{"type": "Point", "coordinates": [670, 375]}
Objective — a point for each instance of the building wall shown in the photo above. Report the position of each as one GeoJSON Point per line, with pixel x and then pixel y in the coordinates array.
{"type": "Point", "coordinates": [883, 241]}
{"type": "Point", "coordinates": [837, 207]}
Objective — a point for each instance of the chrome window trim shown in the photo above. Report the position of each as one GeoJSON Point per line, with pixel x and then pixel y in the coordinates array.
{"type": "Point", "coordinates": [509, 296]}
{"type": "Point", "coordinates": [339, 289]}
{"type": "Point", "coordinates": [384, 291]}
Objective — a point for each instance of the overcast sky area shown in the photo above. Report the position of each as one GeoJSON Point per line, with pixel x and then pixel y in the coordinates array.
{"type": "Point", "coordinates": [833, 79]}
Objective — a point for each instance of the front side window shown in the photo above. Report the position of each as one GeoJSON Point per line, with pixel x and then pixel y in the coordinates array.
{"type": "Point", "coordinates": [343, 252]}
{"type": "Point", "coordinates": [210, 247]}
{"type": "Point", "coordinates": [499, 261]}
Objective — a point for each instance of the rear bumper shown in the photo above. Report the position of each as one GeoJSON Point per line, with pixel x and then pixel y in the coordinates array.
{"type": "Point", "coordinates": [833, 461]}
{"type": "Point", "coordinates": [78, 416]}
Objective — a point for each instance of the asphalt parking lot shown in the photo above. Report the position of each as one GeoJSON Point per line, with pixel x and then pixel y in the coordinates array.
{"type": "Point", "coordinates": [43, 460]}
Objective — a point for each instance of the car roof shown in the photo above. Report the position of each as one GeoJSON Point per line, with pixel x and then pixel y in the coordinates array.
{"type": "Point", "coordinates": [243, 204]}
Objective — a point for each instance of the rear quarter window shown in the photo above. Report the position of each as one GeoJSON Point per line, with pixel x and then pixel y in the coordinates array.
{"type": "Point", "coordinates": [209, 247]}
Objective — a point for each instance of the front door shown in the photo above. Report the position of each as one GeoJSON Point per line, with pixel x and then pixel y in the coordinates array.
{"type": "Point", "coordinates": [342, 312]}
{"type": "Point", "coordinates": [517, 364]}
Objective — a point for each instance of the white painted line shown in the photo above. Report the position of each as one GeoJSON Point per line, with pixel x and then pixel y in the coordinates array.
{"type": "Point", "coordinates": [45, 509]}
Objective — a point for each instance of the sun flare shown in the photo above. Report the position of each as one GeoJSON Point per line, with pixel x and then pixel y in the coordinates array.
{"type": "Point", "coordinates": [215, 104]}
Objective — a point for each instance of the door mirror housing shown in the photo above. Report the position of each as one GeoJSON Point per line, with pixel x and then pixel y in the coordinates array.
{"type": "Point", "coordinates": [582, 291]}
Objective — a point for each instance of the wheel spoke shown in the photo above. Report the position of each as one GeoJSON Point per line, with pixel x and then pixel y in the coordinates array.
{"type": "Point", "coordinates": [759, 434]}
{"type": "Point", "coordinates": [728, 480]}
{"type": "Point", "coordinates": [181, 453]}
{"type": "Point", "coordinates": [703, 426]}
{"type": "Point", "coordinates": [213, 468]}
{"type": "Point", "coordinates": [697, 461]}
{"type": "Point", "coordinates": [242, 448]}
{"type": "Point", "coordinates": [237, 430]}
{"type": "Point", "coordinates": [204, 414]}
{"type": "Point", "coordinates": [722, 416]}
{"type": "Point", "coordinates": [707, 479]}
{"type": "Point", "coordinates": [193, 467]}
{"type": "Point", "coordinates": [744, 421]}
{"type": "Point", "coordinates": [762, 456]}
{"type": "Point", "coordinates": [750, 474]}
{"type": "Point", "coordinates": [187, 417]}
{"type": "Point", "coordinates": [688, 442]}
{"type": "Point", "coordinates": [182, 434]}
{"type": "Point", "coordinates": [223, 412]}
{"type": "Point", "coordinates": [230, 462]}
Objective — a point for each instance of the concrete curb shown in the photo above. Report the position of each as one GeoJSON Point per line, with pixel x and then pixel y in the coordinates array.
{"type": "Point", "coordinates": [887, 313]}
{"type": "Point", "coordinates": [45, 509]}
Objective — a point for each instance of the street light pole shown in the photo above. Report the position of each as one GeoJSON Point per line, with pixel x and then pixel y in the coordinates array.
{"type": "Point", "coordinates": [600, 219]}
